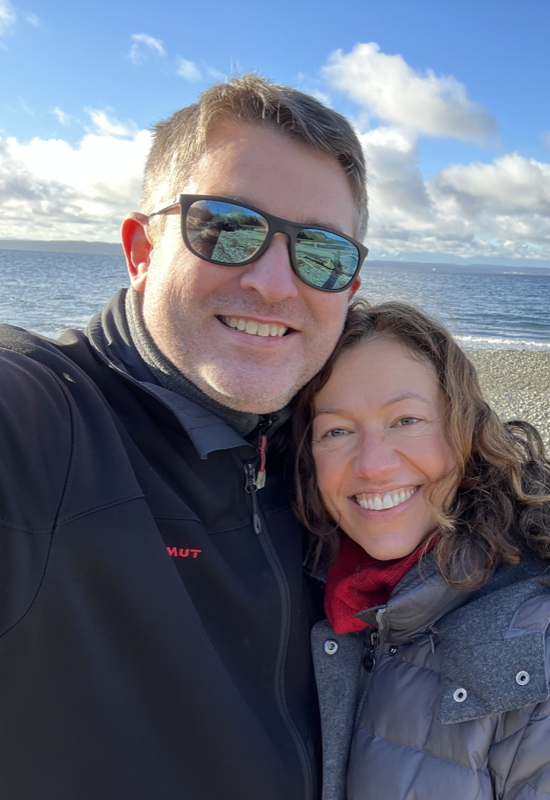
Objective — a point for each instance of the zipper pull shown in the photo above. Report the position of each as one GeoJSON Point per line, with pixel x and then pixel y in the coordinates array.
{"type": "Point", "coordinates": [261, 476]}
{"type": "Point", "coordinates": [251, 487]}
{"type": "Point", "coordinates": [369, 660]}
{"type": "Point", "coordinates": [265, 424]}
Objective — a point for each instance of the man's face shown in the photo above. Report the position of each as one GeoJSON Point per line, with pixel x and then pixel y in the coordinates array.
{"type": "Point", "coordinates": [188, 303]}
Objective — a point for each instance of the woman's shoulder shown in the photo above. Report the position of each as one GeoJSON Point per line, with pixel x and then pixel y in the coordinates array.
{"type": "Point", "coordinates": [493, 647]}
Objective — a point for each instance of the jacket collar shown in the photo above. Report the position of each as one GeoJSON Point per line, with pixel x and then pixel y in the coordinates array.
{"type": "Point", "coordinates": [109, 335]}
{"type": "Point", "coordinates": [420, 599]}
{"type": "Point", "coordinates": [494, 648]}
{"type": "Point", "coordinates": [487, 638]}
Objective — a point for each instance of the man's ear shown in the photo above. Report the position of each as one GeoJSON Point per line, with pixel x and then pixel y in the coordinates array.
{"type": "Point", "coordinates": [137, 248]}
{"type": "Point", "coordinates": [353, 288]}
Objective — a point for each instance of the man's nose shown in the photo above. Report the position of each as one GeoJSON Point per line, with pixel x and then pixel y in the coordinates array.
{"type": "Point", "coordinates": [272, 275]}
{"type": "Point", "coordinates": [375, 458]}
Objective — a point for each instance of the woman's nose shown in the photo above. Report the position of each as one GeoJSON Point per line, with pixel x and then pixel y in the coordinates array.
{"type": "Point", "coordinates": [375, 458]}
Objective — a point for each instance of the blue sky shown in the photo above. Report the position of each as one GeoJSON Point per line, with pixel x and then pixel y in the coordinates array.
{"type": "Point", "coordinates": [450, 98]}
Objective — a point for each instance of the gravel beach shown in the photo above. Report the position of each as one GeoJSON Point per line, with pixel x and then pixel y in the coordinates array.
{"type": "Point", "coordinates": [516, 383]}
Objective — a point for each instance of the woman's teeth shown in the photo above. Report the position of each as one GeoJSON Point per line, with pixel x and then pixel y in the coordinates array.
{"type": "Point", "coordinates": [379, 502]}
{"type": "Point", "coordinates": [255, 328]}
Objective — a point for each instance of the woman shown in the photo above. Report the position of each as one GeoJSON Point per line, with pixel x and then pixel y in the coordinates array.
{"type": "Point", "coordinates": [434, 518]}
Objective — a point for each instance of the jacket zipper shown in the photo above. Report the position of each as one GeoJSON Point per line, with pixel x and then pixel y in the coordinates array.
{"type": "Point", "coordinates": [251, 486]}
{"type": "Point", "coordinates": [375, 640]}
{"type": "Point", "coordinates": [369, 659]}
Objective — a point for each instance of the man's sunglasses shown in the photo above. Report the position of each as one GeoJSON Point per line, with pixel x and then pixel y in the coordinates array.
{"type": "Point", "coordinates": [232, 235]}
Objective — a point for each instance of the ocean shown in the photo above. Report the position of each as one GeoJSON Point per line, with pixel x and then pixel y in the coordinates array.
{"type": "Point", "coordinates": [48, 292]}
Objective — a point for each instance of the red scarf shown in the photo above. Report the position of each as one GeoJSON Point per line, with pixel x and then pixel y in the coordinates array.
{"type": "Point", "coordinates": [358, 581]}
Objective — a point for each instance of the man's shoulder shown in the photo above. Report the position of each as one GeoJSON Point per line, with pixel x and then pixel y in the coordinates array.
{"type": "Point", "coordinates": [39, 348]}
{"type": "Point", "coordinates": [43, 365]}
{"type": "Point", "coordinates": [43, 384]}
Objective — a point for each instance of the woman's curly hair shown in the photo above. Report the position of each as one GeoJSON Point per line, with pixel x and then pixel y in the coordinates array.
{"type": "Point", "coordinates": [502, 504]}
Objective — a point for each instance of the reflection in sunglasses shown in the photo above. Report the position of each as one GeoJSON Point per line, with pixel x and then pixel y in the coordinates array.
{"type": "Point", "coordinates": [228, 234]}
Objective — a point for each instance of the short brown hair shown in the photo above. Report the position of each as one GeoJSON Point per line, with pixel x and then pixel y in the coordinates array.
{"type": "Point", "coordinates": [501, 506]}
{"type": "Point", "coordinates": [179, 141]}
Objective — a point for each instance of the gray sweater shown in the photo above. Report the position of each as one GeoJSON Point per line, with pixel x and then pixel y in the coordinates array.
{"type": "Point", "coordinates": [456, 706]}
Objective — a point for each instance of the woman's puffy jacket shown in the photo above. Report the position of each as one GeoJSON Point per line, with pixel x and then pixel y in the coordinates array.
{"type": "Point", "coordinates": [445, 698]}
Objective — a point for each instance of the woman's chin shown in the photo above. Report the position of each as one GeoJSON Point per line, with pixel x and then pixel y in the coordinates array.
{"type": "Point", "coordinates": [387, 548]}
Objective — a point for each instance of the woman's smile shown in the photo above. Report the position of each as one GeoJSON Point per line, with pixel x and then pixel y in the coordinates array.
{"type": "Point", "coordinates": [385, 500]}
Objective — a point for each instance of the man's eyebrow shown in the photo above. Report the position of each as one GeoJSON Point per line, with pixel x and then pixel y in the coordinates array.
{"type": "Point", "coordinates": [247, 201]}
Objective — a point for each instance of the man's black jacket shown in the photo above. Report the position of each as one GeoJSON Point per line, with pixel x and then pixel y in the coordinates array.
{"type": "Point", "coordinates": [152, 645]}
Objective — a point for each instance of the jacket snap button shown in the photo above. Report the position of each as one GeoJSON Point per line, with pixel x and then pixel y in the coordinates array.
{"type": "Point", "coordinates": [393, 650]}
{"type": "Point", "coordinates": [460, 695]}
{"type": "Point", "coordinates": [523, 678]}
{"type": "Point", "coordinates": [330, 647]}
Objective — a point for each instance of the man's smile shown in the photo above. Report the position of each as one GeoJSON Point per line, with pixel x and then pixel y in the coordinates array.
{"type": "Point", "coordinates": [254, 327]}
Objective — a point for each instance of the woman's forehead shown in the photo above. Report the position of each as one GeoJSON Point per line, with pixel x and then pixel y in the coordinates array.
{"type": "Point", "coordinates": [378, 366]}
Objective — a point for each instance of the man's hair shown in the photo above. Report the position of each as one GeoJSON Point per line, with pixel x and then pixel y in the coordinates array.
{"type": "Point", "coordinates": [179, 141]}
{"type": "Point", "coordinates": [501, 507]}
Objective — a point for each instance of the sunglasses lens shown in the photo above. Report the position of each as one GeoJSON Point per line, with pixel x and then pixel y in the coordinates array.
{"type": "Point", "coordinates": [224, 232]}
{"type": "Point", "coordinates": [325, 260]}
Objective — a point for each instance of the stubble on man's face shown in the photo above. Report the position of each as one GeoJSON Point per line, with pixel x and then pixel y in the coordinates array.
{"type": "Point", "coordinates": [186, 300]}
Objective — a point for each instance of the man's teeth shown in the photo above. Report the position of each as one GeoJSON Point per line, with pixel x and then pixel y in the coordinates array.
{"type": "Point", "coordinates": [379, 502]}
{"type": "Point", "coordinates": [255, 328]}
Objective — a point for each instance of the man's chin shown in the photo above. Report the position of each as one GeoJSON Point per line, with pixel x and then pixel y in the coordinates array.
{"type": "Point", "coordinates": [258, 398]}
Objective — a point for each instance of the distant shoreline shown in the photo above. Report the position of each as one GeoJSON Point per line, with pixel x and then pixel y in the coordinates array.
{"type": "Point", "coordinates": [62, 246]}
{"type": "Point", "coordinates": [115, 249]}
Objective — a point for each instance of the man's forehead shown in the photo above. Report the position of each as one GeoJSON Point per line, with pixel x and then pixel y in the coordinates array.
{"type": "Point", "coordinates": [260, 166]}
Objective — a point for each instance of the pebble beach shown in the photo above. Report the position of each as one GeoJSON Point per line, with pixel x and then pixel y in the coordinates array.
{"type": "Point", "coordinates": [516, 383]}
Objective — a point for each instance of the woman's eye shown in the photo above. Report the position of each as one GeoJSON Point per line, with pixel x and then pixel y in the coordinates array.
{"type": "Point", "coordinates": [406, 421]}
{"type": "Point", "coordinates": [334, 432]}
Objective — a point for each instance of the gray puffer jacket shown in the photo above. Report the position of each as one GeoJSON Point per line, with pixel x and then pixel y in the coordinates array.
{"type": "Point", "coordinates": [446, 698]}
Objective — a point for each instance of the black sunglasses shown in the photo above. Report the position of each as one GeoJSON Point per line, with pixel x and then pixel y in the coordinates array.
{"type": "Point", "coordinates": [223, 232]}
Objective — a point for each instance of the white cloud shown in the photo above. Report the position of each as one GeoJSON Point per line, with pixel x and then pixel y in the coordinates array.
{"type": "Point", "coordinates": [32, 19]}
{"type": "Point", "coordinates": [50, 189]}
{"type": "Point", "coordinates": [215, 74]}
{"type": "Point", "coordinates": [62, 116]}
{"type": "Point", "coordinates": [106, 125]}
{"type": "Point", "coordinates": [398, 195]}
{"type": "Point", "coordinates": [388, 88]}
{"type": "Point", "coordinates": [7, 17]}
{"type": "Point", "coordinates": [142, 42]}
{"type": "Point", "coordinates": [510, 185]}
{"type": "Point", "coordinates": [546, 138]}
{"type": "Point", "coordinates": [188, 70]}
{"type": "Point", "coordinates": [497, 209]}
{"type": "Point", "coordinates": [500, 209]}
{"type": "Point", "coordinates": [27, 109]}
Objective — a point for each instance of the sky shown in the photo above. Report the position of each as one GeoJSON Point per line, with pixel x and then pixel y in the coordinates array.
{"type": "Point", "coordinates": [449, 97]}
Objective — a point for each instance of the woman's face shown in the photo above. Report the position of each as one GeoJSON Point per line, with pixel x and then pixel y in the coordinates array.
{"type": "Point", "coordinates": [378, 441]}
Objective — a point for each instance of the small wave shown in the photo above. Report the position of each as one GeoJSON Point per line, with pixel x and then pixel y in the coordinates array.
{"type": "Point", "coordinates": [500, 343]}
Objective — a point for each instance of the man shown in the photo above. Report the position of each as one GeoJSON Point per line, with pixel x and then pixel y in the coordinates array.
{"type": "Point", "coordinates": [154, 619]}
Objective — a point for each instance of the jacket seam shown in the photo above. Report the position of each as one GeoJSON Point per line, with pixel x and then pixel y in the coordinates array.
{"type": "Point", "coordinates": [51, 532]}
{"type": "Point", "coordinates": [32, 531]}
{"type": "Point", "coordinates": [36, 594]}
{"type": "Point", "coordinates": [100, 507]}
{"type": "Point", "coordinates": [539, 792]}
{"type": "Point", "coordinates": [425, 752]}
{"type": "Point", "coordinates": [513, 761]}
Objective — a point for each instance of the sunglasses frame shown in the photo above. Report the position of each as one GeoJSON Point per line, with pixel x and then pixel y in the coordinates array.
{"type": "Point", "coordinates": [275, 225]}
